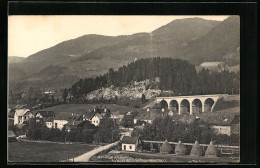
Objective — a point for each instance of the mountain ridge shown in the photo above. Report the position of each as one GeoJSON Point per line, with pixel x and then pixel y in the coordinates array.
{"type": "Point", "coordinates": [92, 55]}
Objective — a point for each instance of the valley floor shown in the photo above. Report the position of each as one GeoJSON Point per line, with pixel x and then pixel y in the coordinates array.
{"type": "Point", "coordinates": [44, 152]}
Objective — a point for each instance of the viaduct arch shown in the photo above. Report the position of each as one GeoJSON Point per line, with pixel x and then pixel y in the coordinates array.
{"type": "Point", "coordinates": [189, 104]}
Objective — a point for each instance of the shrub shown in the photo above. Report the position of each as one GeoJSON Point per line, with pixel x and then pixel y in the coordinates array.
{"type": "Point", "coordinates": [137, 106]}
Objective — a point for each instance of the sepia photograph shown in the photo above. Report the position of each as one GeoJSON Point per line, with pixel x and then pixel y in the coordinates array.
{"type": "Point", "coordinates": [123, 89]}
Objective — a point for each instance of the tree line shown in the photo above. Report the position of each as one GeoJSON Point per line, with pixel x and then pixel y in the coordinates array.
{"type": "Point", "coordinates": [176, 75]}
{"type": "Point", "coordinates": [163, 128]}
{"type": "Point", "coordinates": [106, 132]}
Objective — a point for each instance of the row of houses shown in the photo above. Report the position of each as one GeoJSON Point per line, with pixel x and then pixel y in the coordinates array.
{"type": "Point", "coordinates": [223, 125]}
{"type": "Point", "coordinates": [229, 124]}
{"type": "Point", "coordinates": [60, 120]}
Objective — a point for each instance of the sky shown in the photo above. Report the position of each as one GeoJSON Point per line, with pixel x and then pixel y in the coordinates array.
{"type": "Point", "coordinates": [28, 34]}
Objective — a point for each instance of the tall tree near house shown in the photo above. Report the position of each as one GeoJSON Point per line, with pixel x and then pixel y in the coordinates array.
{"type": "Point", "coordinates": [107, 131]}
{"type": "Point", "coordinates": [65, 95]}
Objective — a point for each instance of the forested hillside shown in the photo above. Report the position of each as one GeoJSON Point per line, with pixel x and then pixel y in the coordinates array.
{"type": "Point", "coordinates": [194, 39]}
{"type": "Point", "coordinates": [177, 75]}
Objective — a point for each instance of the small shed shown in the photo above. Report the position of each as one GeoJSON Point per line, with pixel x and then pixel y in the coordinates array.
{"type": "Point", "coordinates": [131, 143]}
{"type": "Point", "coordinates": [166, 147]}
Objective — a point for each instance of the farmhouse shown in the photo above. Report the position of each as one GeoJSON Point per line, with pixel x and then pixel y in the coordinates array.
{"type": "Point", "coordinates": [96, 119]}
{"type": "Point", "coordinates": [116, 118]}
{"type": "Point", "coordinates": [226, 125]}
{"type": "Point", "coordinates": [131, 143]}
{"type": "Point", "coordinates": [20, 116]}
{"type": "Point", "coordinates": [44, 114]}
{"type": "Point", "coordinates": [49, 122]}
{"type": "Point", "coordinates": [147, 116]}
{"type": "Point", "coordinates": [73, 125]}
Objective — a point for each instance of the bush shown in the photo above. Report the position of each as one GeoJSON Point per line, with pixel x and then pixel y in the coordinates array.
{"type": "Point", "coordinates": [137, 106]}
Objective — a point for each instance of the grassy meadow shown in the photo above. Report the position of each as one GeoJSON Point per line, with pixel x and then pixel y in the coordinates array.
{"type": "Point", "coordinates": [44, 152]}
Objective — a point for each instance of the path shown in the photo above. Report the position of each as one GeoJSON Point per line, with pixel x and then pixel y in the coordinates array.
{"type": "Point", "coordinates": [85, 157]}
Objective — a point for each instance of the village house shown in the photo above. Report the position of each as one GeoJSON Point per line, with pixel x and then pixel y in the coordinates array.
{"type": "Point", "coordinates": [96, 119]}
{"type": "Point", "coordinates": [22, 115]}
{"type": "Point", "coordinates": [131, 143]}
{"type": "Point", "coordinates": [43, 116]}
{"type": "Point", "coordinates": [116, 118]}
{"type": "Point", "coordinates": [72, 125]}
{"type": "Point", "coordinates": [49, 122]}
{"type": "Point", "coordinates": [226, 125]}
{"type": "Point", "coordinates": [59, 123]}
{"type": "Point", "coordinates": [147, 115]}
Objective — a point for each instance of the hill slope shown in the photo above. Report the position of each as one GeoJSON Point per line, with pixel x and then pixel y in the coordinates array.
{"type": "Point", "coordinates": [194, 39]}
{"type": "Point", "coordinates": [222, 40]}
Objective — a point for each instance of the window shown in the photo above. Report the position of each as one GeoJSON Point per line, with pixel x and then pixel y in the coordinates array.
{"type": "Point", "coordinates": [130, 147]}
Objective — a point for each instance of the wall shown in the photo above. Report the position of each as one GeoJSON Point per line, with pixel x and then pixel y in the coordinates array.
{"type": "Point", "coordinates": [49, 125]}
{"type": "Point", "coordinates": [95, 120]}
{"type": "Point", "coordinates": [128, 147]}
{"type": "Point", "coordinates": [222, 129]}
{"type": "Point", "coordinates": [60, 123]}
{"type": "Point", "coordinates": [235, 129]}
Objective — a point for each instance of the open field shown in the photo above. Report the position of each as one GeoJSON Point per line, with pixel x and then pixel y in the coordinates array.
{"type": "Point", "coordinates": [44, 152]}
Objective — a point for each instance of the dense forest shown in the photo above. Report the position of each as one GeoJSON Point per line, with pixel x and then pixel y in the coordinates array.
{"type": "Point", "coordinates": [177, 75]}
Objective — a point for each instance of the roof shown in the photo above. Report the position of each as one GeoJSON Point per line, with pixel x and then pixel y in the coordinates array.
{"type": "Point", "coordinates": [21, 112]}
{"type": "Point", "coordinates": [11, 133]}
{"type": "Point", "coordinates": [236, 120]}
{"type": "Point", "coordinates": [66, 116]}
{"type": "Point", "coordinates": [89, 115]}
{"type": "Point", "coordinates": [49, 119]}
{"type": "Point", "coordinates": [211, 63]}
{"type": "Point", "coordinates": [46, 113]}
{"type": "Point", "coordinates": [73, 123]}
{"type": "Point", "coordinates": [148, 115]}
{"type": "Point", "coordinates": [221, 120]}
{"type": "Point", "coordinates": [98, 115]}
{"type": "Point", "coordinates": [130, 140]}
{"type": "Point", "coordinates": [116, 116]}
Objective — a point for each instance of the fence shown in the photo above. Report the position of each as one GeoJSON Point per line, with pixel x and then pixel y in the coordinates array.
{"type": "Point", "coordinates": [224, 149]}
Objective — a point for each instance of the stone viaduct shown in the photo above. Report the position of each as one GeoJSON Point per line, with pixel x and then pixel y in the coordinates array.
{"type": "Point", "coordinates": [189, 104]}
